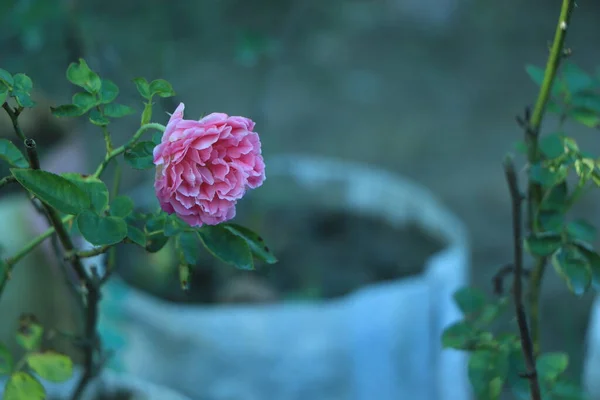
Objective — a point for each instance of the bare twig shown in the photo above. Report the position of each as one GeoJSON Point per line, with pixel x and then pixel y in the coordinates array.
{"type": "Point", "coordinates": [32, 155]}
{"type": "Point", "coordinates": [526, 342]}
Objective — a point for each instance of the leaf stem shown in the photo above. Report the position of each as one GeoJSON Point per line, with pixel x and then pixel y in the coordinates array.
{"type": "Point", "coordinates": [6, 180]}
{"type": "Point", "coordinates": [122, 149]}
{"type": "Point", "coordinates": [526, 341]}
{"type": "Point", "coordinates": [534, 190]}
{"type": "Point", "coordinates": [10, 263]}
{"type": "Point", "coordinates": [14, 117]}
{"type": "Point", "coordinates": [96, 251]}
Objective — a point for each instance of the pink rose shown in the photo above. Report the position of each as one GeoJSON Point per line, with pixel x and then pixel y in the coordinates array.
{"type": "Point", "coordinates": [203, 167]}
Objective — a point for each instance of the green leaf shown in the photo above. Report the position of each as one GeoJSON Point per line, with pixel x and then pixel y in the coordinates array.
{"type": "Point", "coordinates": [94, 188]}
{"type": "Point", "coordinates": [22, 83]}
{"type": "Point", "coordinates": [136, 235]}
{"type": "Point", "coordinates": [575, 78]}
{"type": "Point", "coordinates": [543, 244]}
{"type": "Point", "coordinates": [6, 360]}
{"type": "Point", "coordinates": [555, 199]}
{"type": "Point", "coordinates": [571, 144]}
{"type": "Point", "coordinates": [574, 267]}
{"type": "Point", "coordinates": [469, 300]}
{"type": "Point", "coordinates": [11, 154]}
{"type": "Point", "coordinates": [6, 77]}
{"type": "Point", "coordinates": [581, 230]}
{"type": "Point", "coordinates": [256, 243]}
{"type": "Point", "coordinates": [82, 76]}
{"type": "Point", "coordinates": [147, 114]}
{"type": "Point", "coordinates": [115, 110]}
{"type": "Point", "coordinates": [155, 237]}
{"type": "Point", "coordinates": [84, 101]}
{"type": "Point", "coordinates": [23, 99]}
{"type": "Point", "coordinates": [552, 146]}
{"type": "Point", "coordinates": [99, 230]}
{"type": "Point", "coordinates": [54, 190]}
{"type": "Point", "coordinates": [596, 178]}
{"type": "Point", "coordinates": [108, 91]}
{"type": "Point", "coordinates": [121, 206]}
{"type": "Point", "coordinates": [226, 246]}
{"type": "Point", "coordinates": [98, 119]}
{"type": "Point", "coordinates": [593, 259]}
{"type": "Point", "coordinates": [30, 332]}
{"type": "Point", "coordinates": [551, 221]}
{"type": "Point", "coordinates": [460, 335]}
{"type": "Point", "coordinates": [187, 244]}
{"type": "Point", "coordinates": [67, 110]}
{"type": "Point", "coordinates": [173, 225]}
{"type": "Point", "coordinates": [491, 312]}
{"type": "Point", "coordinates": [3, 93]}
{"type": "Point", "coordinates": [548, 176]}
{"type": "Point", "coordinates": [584, 167]}
{"type": "Point", "coordinates": [586, 100]}
{"type": "Point", "coordinates": [141, 155]}
{"type": "Point", "coordinates": [51, 366]}
{"type": "Point", "coordinates": [156, 222]}
{"type": "Point", "coordinates": [162, 88]}
{"type": "Point", "coordinates": [551, 365]}
{"type": "Point", "coordinates": [488, 371]}
{"type": "Point", "coordinates": [143, 87]}
{"type": "Point", "coordinates": [585, 116]}
{"type": "Point", "coordinates": [22, 386]}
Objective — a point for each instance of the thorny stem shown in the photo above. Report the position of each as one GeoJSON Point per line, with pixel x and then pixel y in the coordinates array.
{"type": "Point", "coordinates": [526, 341]}
{"type": "Point", "coordinates": [92, 297]}
{"type": "Point", "coordinates": [91, 283]}
{"type": "Point", "coordinates": [534, 191]}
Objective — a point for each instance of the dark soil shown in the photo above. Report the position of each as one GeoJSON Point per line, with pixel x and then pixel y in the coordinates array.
{"type": "Point", "coordinates": [322, 254]}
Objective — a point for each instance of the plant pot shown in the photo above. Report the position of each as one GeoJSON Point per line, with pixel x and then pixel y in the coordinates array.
{"type": "Point", "coordinates": [109, 386]}
{"type": "Point", "coordinates": [379, 341]}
